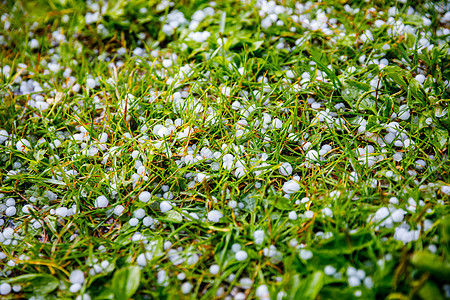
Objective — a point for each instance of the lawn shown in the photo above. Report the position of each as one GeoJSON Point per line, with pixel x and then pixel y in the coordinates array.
{"type": "Point", "coordinates": [224, 150]}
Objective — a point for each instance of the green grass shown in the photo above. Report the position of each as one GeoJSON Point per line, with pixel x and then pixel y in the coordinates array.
{"type": "Point", "coordinates": [316, 86]}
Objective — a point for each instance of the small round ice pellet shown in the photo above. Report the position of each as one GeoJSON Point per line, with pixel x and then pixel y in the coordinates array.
{"type": "Point", "coordinates": [329, 270]}
{"type": "Point", "coordinates": [285, 169]}
{"type": "Point", "coordinates": [293, 215]}
{"type": "Point", "coordinates": [141, 260]}
{"type": "Point", "coordinates": [23, 145]}
{"type": "Point", "coordinates": [147, 221]}
{"type": "Point", "coordinates": [186, 288]}
{"type": "Point", "coordinates": [144, 196]}
{"type": "Point", "coordinates": [5, 288]}
{"type": "Point", "coordinates": [241, 255]}
{"type": "Point", "coordinates": [214, 269]}
{"type": "Point", "coordinates": [8, 233]}
{"type": "Point", "coordinates": [236, 247]}
{"type": "Point", "coordinates": [11, 211]}
{"type": "Point", "coordinates": [165, 206]}
{"type": "Point", "coordinates": [101, 202]}
{"type": "Point", "coordinates": [354, 281]}
{"type": "Point", "coordinates": [139, 213]}
{"type": "Point", "coordinates": [133, 222]}
{"type": "Point", "coordinates": [118, 210]}
{"type": "Point", "coordinates": [76, 276]}
{"type": "Point", "coordinates": [61, 211]}
{"type": "Point", "coordinates": [214, 215]}
{"type": "Point", "coordinates": [309, 214]}
{"type": "Point", "coordinates": [291, 186]}
{"type": "Point", "coordinates": [262, 292]}
{"type": "Point", "coordinates": [74, 288]}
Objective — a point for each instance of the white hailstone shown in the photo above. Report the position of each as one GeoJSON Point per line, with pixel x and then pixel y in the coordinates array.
{"type": "Point", "coordinates": [91, 83]}
{"type": "Point", "coordinates": [312, 155]}
{"type": "Point", "coordinates": [23, 145]}
{"type": "Point", "coordinates": [147, 221]}
{"type": "Point", "coordinates": [241, 255]}
{"type": "Point", "coordinates": [305, 254]}
{"type": "Point", "coordinates": [381, 214]}
{"type": "Point", "coordinates": [118, 210]}
{"type": "Point", "coordinates": [101, 202]}
{"type": "Point", "coordinates": [167, 63]}
{"type": "Point", "coordinates": [398, 156]}
{"type": "Point", "coordinates": [181, 276]}
{"type": "Point", "coordinates": [309, 214]}
{"type": "Point", "coordinates": [232, 204]}
{"type": "Point", "coordinates": [165, 206]}
{"type": "Point", "coordinates": [10, 202]}
{"type": "Point", "coordinates": [316, 105]}
{"type": "Point", "coordinates": [236, 105]}
{"type": "Point", "coordinates": [259, 236]}
{"type": "Point", "coordinates": [192, 259]}
{"type": "Point", "coordinates": [61, 211]}
{"type": "Point", "coordinates": [186, 287]}
{"type": "Point", "coordinates": [239, 172]}
{"type": "Point", "coordinates": [368, 282]}
{"type": "Point", "coordinates": [293, 215]}
{"type": "Point", "coordinates": [329, 270]}
{"type": "Point", "coordinates": [34, 43]}
{"type": "Point", "coordinates": [214, 215]}
{"type": "Point", "coordinates": [285, 169]}
{"type": "Point", "coordinates": [16, 288]}
{"type": "Point", "coordinates": [139, 213]}
{"type": "Point", "coordinates": [277, 123]}
{"type": "Point", "coordinates": [290, 74]}
{"type": "Point", "coordinates": [445, 189]}
{"type": "Point", "coordinates": [133, 222]}
{"type": "Point", "coordinates": [3, 136]}
{"type": "Point", "coordinates": [214, 269]}
{"type": "Point", "coordinates": [432, 248]}
{"type": "Point", "coordinates": [393, 200]}
{"type": "Point", "coordinates": [11, 211]}
{"type": "Point", "coordinates": [77, 276]}
{"type": "Point", "coordinates": [162, 278]}
{"type": "Point", "coordinates": [141, 260]}
{"type": "Point", "coordinates": [5, 288]}
{"type": "Point", "coordinates": [236, 247]}
{"type": "Point", "coordinates": [327, 212]}
{"type": "Point", "coordinates": [194, 216]}
{"type": "Point", "coordinates": [360, 274]}
{"type": "Point", "coordinates": [398, 215]}
{"type": "Point", "coordinates": [144, 196]}
{"type": "Point", "coordinates": [291, 187]}
{"type": "Point", "coordinates": [74, 288]}
{"type": "Point", "coordinates": [8, 233]}
{"type": "Point", "coordinates": [420, 78]}
{"type": "Point", "coordinates": [200, 177]}
{"type": "Point", "coordinates": [262, 292]}
{"type": "Point", "coordinates": [26, 208]}
{"type": "Point", "coordinates": [404, 112]}
{"type": "Point", "coordinates": [167, 245]}
{"type": "Point", "coordinates": [41, 105]}
{"type": "Point", "coordinates": [354, 281]}
{"type": "Point", "coordinates": [420, 164]}
{"type": "Point", "coordinates": [76, 87]}
{"type": "Point", "coordinates": [293, 243]}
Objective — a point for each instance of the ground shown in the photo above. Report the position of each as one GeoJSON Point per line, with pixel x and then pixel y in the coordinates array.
{"type": "Point", "coordinates": [228, 149]}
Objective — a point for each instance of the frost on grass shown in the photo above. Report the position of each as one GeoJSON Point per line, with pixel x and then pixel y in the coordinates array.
{"type": "Point", "coordinates": [296, 141]}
